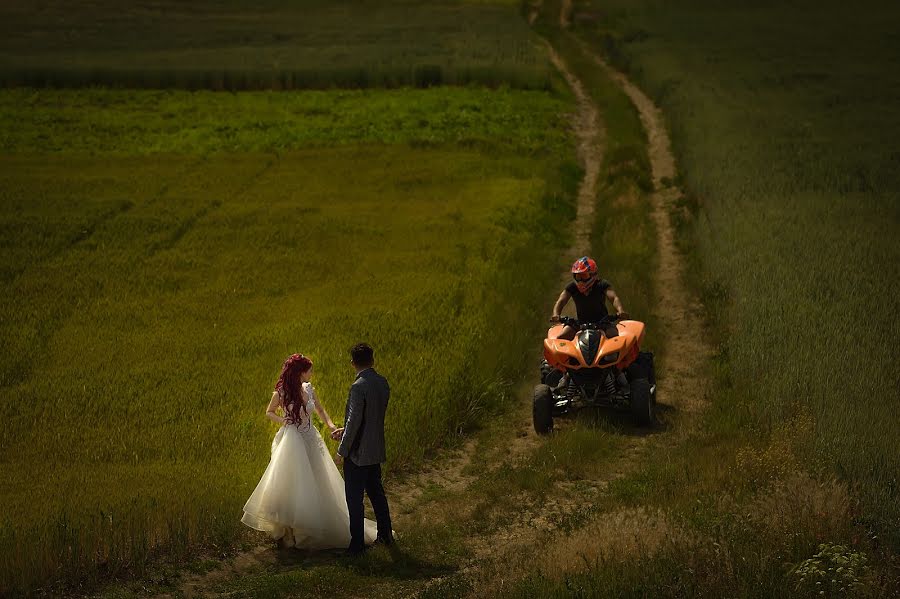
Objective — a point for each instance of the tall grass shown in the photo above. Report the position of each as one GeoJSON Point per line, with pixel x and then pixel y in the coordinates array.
{"type": "Point", "coordinates": [150, 293]}
{"type": "Point", "coordinates": [281, 45]}
{"type": "Point", "coordinates": [786, 142]}
{"type": "Point", "coordinates": [788, 145]}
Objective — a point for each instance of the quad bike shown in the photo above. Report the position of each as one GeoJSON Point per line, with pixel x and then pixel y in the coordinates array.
{"type": "Point", "coordinates": [593, 370]}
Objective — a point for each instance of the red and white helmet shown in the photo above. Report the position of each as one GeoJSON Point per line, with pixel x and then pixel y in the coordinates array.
{"type": "Point", "coordinates": [584, 271]}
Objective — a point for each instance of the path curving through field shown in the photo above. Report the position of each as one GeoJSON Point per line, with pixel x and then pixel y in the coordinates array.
{"type": "Point", "coordinates": [683, 388]}
{"type": "Point", "coordinates": [589, 133]}
{"type": "Point", "coordinates": [535, 530]}
{"type": "Point", "coordinates": [449, 470]}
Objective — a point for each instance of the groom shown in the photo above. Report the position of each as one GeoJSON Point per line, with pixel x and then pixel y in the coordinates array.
{"type": "Point", "coordinates": [362, 448]}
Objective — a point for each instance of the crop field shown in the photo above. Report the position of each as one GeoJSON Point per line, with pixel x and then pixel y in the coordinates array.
{"type": "Point", "coordinates": [162, 252]}
{"type": "Point", "coordinates": [784, 121]}
{"type": "Point", "coordinates": [268, 44]}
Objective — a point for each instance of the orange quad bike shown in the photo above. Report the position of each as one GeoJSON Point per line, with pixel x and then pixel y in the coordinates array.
{"type": "Point", "coordinates": [593, 370]}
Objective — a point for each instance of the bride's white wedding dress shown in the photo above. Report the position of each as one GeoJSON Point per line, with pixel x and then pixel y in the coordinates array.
{"type": "Point", "coordinates": [301, 494]}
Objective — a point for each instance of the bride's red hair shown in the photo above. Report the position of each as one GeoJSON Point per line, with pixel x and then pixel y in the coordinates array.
{"type": "Point", "coordinates": [289, 386]}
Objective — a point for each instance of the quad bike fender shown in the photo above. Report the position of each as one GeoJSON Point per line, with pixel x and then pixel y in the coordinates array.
{"type": "Point", "coordinates": [633, 333]}
{"type": "Point", "coordinates": [620, 345]}
{"type": "Point", "coordinates": [634, 328]}
{"type": "Point", "coordinates": [559, 352]}
{"type": "Point", "coordinates": [562, 354]}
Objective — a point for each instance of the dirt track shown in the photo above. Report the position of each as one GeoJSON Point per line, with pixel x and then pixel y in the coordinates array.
{"type": "Point", "coordinates": [682, 389]}
{"type": "Point", "coordinates": [679, 313]}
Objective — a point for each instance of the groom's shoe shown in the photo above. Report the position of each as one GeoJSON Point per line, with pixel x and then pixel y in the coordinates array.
{"type": "Point", "coordinates": [355, 551]}
{"type": "Point", "coordinates": [386, 540]}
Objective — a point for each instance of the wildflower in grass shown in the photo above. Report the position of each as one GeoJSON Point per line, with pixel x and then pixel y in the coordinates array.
{"type": "Point", "coordinates": [835, 570]}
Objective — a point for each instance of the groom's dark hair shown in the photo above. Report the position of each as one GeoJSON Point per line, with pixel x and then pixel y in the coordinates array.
{"type": "Point", "coordinates": [362, 354]}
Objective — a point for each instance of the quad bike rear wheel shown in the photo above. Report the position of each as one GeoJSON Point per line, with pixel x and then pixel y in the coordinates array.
{"type": "Point", "coordinates": [643, 402]}
{"type": "Point", "coordinates": [542, 410]}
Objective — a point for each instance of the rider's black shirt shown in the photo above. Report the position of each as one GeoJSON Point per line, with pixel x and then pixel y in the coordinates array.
{"type": "Point", "coordinates": [590, 307]}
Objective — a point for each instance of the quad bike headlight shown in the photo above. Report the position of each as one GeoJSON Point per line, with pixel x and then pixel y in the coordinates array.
{"type": "Point", "coordinates": [610, 358]}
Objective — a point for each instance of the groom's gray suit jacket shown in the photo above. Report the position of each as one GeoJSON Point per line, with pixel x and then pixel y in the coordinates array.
{"type": "Point", "coordinates": [363, 440]}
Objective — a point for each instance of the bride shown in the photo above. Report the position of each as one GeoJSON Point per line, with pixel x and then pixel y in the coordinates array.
{"type": "Point", "coordinates": [300, 499]}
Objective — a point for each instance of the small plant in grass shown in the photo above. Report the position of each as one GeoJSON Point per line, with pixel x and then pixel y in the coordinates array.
{"type": "Point", "coordinates": [835, 571]}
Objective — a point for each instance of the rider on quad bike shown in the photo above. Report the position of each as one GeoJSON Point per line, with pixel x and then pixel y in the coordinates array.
{"type": "Point", "coordinates": [590, 294]}
{"type": "Point", "coordinates": [594, 361]}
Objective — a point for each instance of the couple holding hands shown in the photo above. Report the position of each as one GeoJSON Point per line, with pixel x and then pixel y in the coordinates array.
{"type": "Point", "coordinates": [301, 499]}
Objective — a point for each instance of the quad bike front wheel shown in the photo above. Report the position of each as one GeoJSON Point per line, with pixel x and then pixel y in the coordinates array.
{"type": "Point", "coordinates": [643, 402]}
{"type": "Point", "coordinates": [549, 375]}
{"type": "Point", "coordinates": [542, 410]}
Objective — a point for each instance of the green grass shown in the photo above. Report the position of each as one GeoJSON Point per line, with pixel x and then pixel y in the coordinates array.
{"type": "Point", "coordinates": [152, 286]}
{"type": "Point", "coordinates": [119, 122]}
{"type": "Point", "coordinates": [269, 44]}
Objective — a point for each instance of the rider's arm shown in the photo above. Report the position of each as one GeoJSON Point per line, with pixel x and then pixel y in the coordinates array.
{"type": "Point", "coordinates": [564, 298]}
{"type": "Point", "coordinates": [616, 302]}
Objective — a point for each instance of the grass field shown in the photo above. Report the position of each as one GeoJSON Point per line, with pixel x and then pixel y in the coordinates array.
{"type": "Point", "coordinates": [269, 44]}
{"type": "Point", "coordinates": [784, 122]}
{"type": "Point", "coordinates": [153, 282]}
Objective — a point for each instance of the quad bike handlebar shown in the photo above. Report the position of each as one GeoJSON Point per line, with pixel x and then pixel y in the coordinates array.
{"type": "Point", "coordinates": [568, 320]}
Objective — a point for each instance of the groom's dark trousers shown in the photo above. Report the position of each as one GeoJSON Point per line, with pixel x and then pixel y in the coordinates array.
{"type": "Point", "coordinates": [357, 481]}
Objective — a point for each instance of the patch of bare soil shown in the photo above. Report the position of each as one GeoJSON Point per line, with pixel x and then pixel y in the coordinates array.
{"type": "Point", "coordinates": [589, 134]}
{"type": "Point", "coordinates": [565, 14]}
{"type": "Point", "coordinates": [194, 586]}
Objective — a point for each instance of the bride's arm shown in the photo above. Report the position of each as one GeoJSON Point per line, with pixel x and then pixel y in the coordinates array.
{"type": "Point", "coordinates": [274, 405]}
{"type": "Point", "coordinates": [320, 410]}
